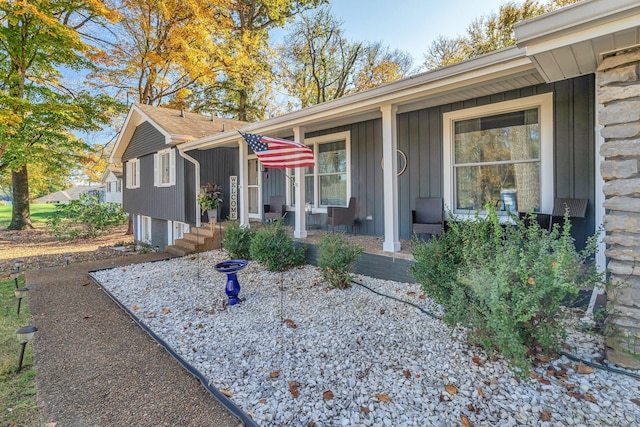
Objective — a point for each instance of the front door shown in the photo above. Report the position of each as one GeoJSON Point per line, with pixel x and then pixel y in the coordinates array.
{"type": "Point", "coordinates": [253, 187]}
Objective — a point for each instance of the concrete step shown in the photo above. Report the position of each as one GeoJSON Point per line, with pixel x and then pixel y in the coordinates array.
{"type": "Point", "coordinates": [188, 244]}
{"type": "Point", "coordinates": [176, 251]}
{"type": "Point", "coordinates": [198, 240]}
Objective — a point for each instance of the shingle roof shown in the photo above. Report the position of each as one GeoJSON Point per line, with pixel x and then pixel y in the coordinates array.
{"type": "Point", "coordinates": [175, 122]}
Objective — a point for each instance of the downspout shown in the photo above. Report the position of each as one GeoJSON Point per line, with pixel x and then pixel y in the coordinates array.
{"type": "Point", "coordinates": [197, 180]}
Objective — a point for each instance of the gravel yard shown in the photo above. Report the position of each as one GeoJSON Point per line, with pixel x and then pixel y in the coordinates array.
{"type": "Point", "coordinates": [298, 353]}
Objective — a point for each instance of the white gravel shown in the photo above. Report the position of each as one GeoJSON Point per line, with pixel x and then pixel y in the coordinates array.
{"type": "Point", "coordinates": [354, 358]}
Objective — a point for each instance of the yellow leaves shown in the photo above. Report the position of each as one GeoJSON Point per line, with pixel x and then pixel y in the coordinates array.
{"type": "Point", "coordinates": [531, 281]}
{"type": "Point", "coordinates": [166, 311]}
{"type": "Point", "coordinates": [135, 308]}
{"type": "Point", "coordinates": [451, 389]}
{"type": "Point", "coordinates": [464, 421]}
{"type": "Point", "coordinates": [290, 323]}
{"type": "Point", "coordinates": [227, 393]}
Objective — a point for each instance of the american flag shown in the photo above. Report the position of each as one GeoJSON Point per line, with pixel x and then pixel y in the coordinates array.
{"type": "Point", "coordinates": [279, 153]}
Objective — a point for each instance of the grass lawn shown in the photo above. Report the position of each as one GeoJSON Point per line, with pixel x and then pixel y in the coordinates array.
{"type": "Point", "coordinates": [17, 390]}
{"type": "Point", "coordinates": [39, 214]}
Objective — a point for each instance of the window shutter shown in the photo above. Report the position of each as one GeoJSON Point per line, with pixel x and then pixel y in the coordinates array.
{"type": "Point", "coordinates": [137, 173]}
{"type": "Point", "coordinates": [128, 172]}
{"type": "Point", "coordinates": [172, 167]}
{"type": "Point", "coordinates": [156, 170]}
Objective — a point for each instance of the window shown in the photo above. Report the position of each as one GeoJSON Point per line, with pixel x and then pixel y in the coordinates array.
{"type": "Point", "coordinates": [329, 182]}
{"type": "Point", "coordinates": [144, 229]}
{"type": "Point", "coordinates": [500, 154]}
{"type": "Point", "coordinates": [164, 166]}
{"type": "Point", "coordinates": [109, 190]}
{"type": "Point", "coordinates": [133, 173]}
{"type": "Point", "coordinates": [118, 186]}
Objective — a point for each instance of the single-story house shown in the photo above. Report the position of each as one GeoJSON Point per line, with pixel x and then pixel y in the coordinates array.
{"type": "Point", "coordinates": [112, 182]}
{"type": "Point", "coordinates": [567, 92]}
{"type": "Point", "coordinates": [71, 193]}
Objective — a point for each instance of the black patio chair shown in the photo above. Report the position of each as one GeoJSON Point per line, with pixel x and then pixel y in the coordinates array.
{"type": "Point", "coordinates": [340, 215]}
{"type": "Point", "coordinates": [575, 208]}
{"type": "Point", "coordinates": [428, 216]}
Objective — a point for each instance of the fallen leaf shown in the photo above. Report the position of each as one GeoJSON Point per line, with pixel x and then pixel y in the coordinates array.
{"type": "Point", "coordinates": [569, 386]}
{"type": "Point", "coordinates": [545, 416]}
{"type": "Point", "coordinates": [476, 359]}
{"type": "Point", "coordinates": [411, 294]}
{"type": "Point", "coordinates": [290, 323]}
{"type": "Point", "coordinates": [365, 409]}
{"type": "Point", "coordinates": [275, 374]}
{"type": "Point", "coordinates": [263, 401]}
{"type": "Point", "coordinates": [574, 394]}
{"type": "Point", "coordinates": [581, 368]}
{"type": "Point", "coordinates": [383, 397]}
{"type": "Point", "coordinates": [480, 392]}
{"type": "Point", "coordinates": [590, 398]}
{"type": "Point", "coordinates": [472, 408]}
{"type": "Point", "coordinates": [464, 421]}
{"type": "Point", "coordinates": [451, 389]}
{"type": "Point", "coordinates": [422, 296]}
{"type": "Point", "coordinates": [407, 373]}
{"type": "Point", "coordinates": [88, 316]}
{"type": "Point", "coordinates": [166, 311]}
{"type": "Point", "coordinates": [542, 358]}
{"type": "Point", "coordinates": [382, 311]}
{"type": "Point", "coordinates": [227, 393]}
{"type": "Point", "coordinates": [444, 398]}
{"type": "Point", "coordinates": [327, 395]}
{"type": "Point", "coordinates": [293, 389]}
{"type": "Point", "coordinates": [417, 375]}
{"type": "Point", "coordinates": [124, 269]}
{"type": "Point", "coordinates": [135, 307]}
{"type": "Point", "coordinates": [531, 281]}
{"type": "Point", "coordinates": [544, 381]}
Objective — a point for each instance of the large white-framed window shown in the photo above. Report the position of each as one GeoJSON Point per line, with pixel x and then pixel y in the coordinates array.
{"type": "Point", "coordinates": [164, 168]}
{"type": "Point", "coordinates": [254, 186]}
{"type": "Point", "coordinates": [499, 154]}
{"type": "Point", "coordinates": [329, 182]}
{"type": "Point", "coordinates": [133, 173]}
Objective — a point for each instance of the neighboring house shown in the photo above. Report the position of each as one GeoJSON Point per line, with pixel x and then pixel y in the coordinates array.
{"type": "Point", "coordinates": [568, 90]}
{"type": "Point", "coordinates": [161, 183]}
{"type": "Point", "coordinates": [73, 193]}
{"type": "Point", "coordinates": [112, 182]}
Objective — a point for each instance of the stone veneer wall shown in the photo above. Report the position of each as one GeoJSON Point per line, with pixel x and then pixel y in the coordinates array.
{"type": "Point", "coordinates": [618, 88]}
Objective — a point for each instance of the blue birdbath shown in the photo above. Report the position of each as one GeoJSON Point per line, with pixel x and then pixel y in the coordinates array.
{"type": "Point", "coordinates": [231, 267]}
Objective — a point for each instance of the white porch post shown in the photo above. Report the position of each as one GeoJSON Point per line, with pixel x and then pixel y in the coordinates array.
{"type": "Point", "coordinates": [389, 177]}
{"type": "Point", "coordinates": [300, 230]}
{"type": "Point", "coordinates": [243, 179]}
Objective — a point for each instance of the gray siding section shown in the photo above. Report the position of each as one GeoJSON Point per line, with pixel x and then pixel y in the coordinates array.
{"type": "Point", "coordinates": [420, 138]}
{"type": "Point", "coordinates": [156, 202]}
{"type": "Point", "coordinates": [216, 166]}
{"type": "Point", "coordinates": [146, 139]}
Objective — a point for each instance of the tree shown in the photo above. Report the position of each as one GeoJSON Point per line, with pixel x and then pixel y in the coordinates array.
{"type": "Point", "coordinates": [243, 88]}
{"type": "Point", "coordinates": [487, 33]}
{"type": "Point", "coordinates": [37, 38]}
{"type": "Point", "coordinates": [320, 64]}
{"type": "Point", "coordinates": [159, 49]}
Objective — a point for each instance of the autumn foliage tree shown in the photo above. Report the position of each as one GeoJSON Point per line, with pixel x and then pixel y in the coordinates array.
{"type": "Point", "coordinates": [487, 33]}
{"type": "Point", "coordinates": [39, 112]}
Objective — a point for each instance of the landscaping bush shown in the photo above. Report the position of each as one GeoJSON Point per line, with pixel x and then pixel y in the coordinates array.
{"type": "Point", "coordinates": [506, 282]}
{"type": "Point", "coordinates": [85, 217]}
{"type": "Point", "coordinates": [237, 240]}
{"type": "Point", "coordinates": [336, 259]}
{"type": "Point", "coordinates": [272, 247]}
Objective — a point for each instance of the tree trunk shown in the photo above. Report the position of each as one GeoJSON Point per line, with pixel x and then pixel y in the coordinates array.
{"type": "Point", "coordinates": [20, 214]}
{"type": "Point", "coordinates": [129, 226]}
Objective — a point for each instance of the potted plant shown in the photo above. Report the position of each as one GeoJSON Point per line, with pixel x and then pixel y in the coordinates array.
{"type": "Point", "coordinates": [209, 199]}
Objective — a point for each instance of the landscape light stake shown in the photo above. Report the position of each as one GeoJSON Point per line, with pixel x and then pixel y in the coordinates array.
{"type": "Point", "coordinates": [18, 264]}
{"type": "Point", "coordinates": [20, 293]}
{"type": "Point", "coordinates": [67, 258]}
{"type": "Point", "coordinates": [25, 334]}
{"type": "Point", "coordinates": [14, 275]}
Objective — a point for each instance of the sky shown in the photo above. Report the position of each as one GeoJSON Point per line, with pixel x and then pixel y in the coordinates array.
{"type": "Point", "coordinates": [409, 25]}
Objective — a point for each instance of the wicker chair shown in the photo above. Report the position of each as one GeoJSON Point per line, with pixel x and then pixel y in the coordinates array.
{"type": "Point", "coordinates": [338, 215]}
{"type": "Point", "coordinates": [275, 209]}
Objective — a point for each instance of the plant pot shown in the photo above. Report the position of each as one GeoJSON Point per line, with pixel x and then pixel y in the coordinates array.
{"type": "Point", "coordinates": [213, 215]}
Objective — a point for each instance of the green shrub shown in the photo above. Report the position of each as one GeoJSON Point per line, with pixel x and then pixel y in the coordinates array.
{"type": "Point", "coordinates": [237, 240]}
{"type": "Point", "coordinates": [85, 217]}
{"type": "Point", "coordinates": [506, 282]}
{"type": "Point", "coordinates": [336, 259]}
{"type": "Point", "coordinates": [272, 247]}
